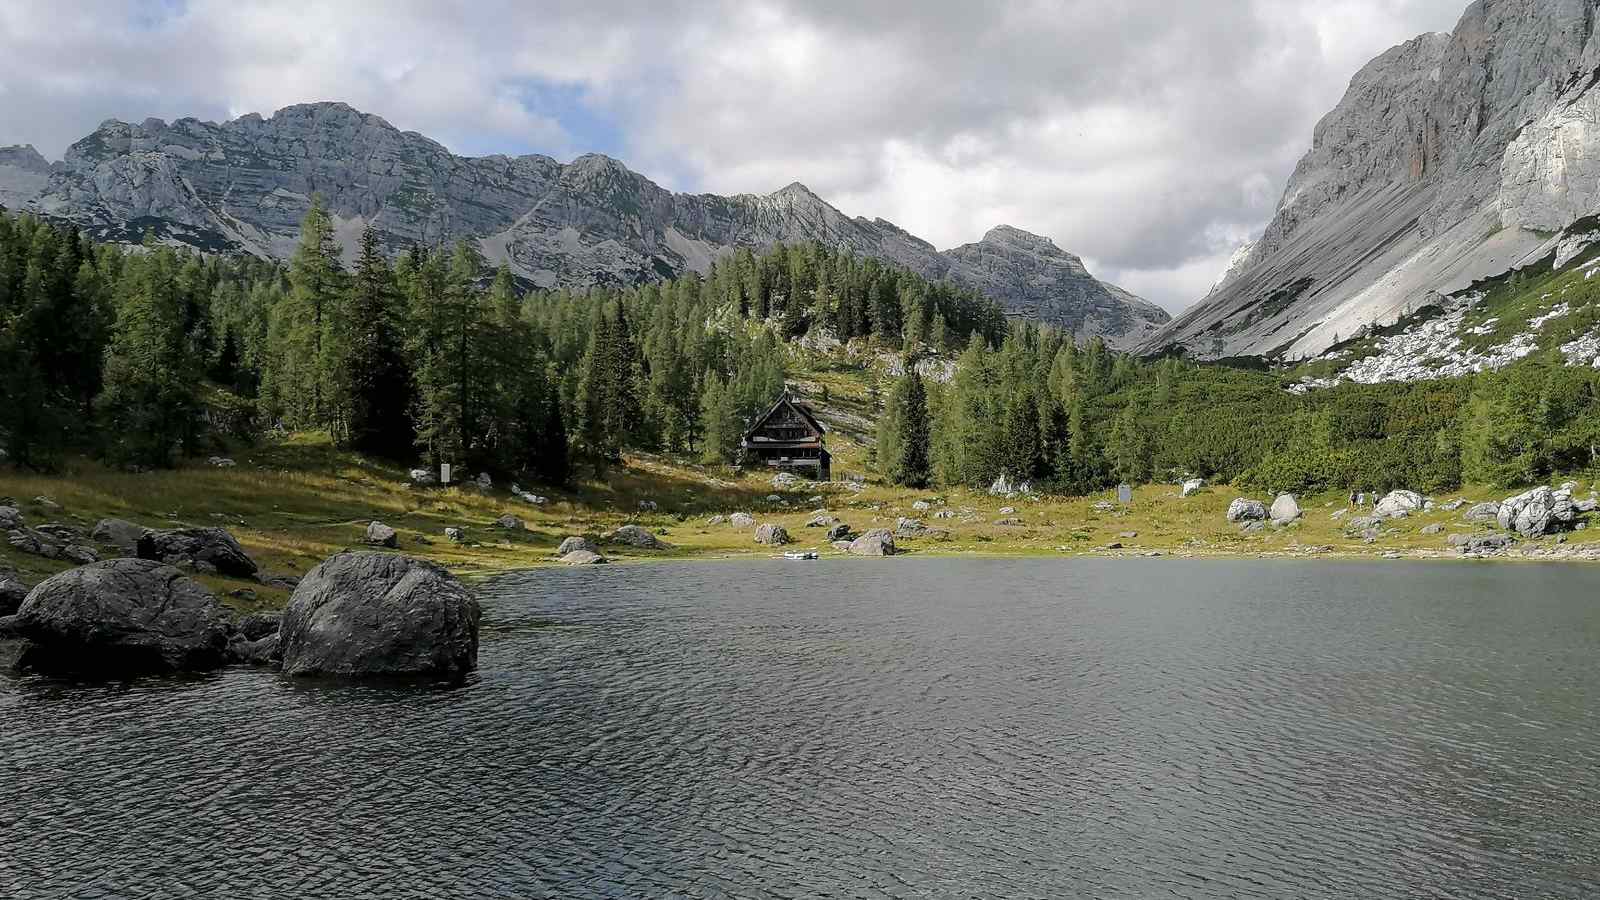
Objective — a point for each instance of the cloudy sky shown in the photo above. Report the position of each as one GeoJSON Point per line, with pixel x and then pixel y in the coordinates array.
{"type": "Point", "coordinates": [1148, 136]}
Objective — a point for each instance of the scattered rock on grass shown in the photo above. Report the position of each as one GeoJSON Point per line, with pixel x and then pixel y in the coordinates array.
{"type": "Point", "coordinates": [213, 547]}
{"type": "Point", "coordinates": [382, 535]}
{"type": "Point", "coordinates": [772, 535]}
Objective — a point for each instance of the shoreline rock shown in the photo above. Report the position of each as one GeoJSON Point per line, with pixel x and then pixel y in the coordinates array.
{"type": "Point", "coordinates": [378, 614]}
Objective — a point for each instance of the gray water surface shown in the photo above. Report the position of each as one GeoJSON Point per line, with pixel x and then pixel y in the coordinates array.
{"type": "Point", "coordinates": [927, 728]}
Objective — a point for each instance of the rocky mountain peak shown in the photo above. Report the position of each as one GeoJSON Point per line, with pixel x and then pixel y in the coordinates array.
{"type": "Point", "coordinates": [245, 184]}
{"type": "Point", "coordinates": [1428, 175]}
{"type": "Point", "coordinates": [23, 173]}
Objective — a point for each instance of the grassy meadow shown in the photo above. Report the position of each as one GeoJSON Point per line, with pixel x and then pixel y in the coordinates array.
{"type": "Point", "coordinates": [295, 502]}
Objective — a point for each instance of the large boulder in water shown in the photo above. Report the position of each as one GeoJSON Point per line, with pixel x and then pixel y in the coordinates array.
{"type": "Point", "coordinates": [1539, 511]}
{"type": "Point", "coordinates": [1243, 510]}
{"type": "Point", "coordinates": [378, 614]}
{"type": "Point", "coordinates": [211, 546]}
{"type": "Point", "coordinates": [121, 617]}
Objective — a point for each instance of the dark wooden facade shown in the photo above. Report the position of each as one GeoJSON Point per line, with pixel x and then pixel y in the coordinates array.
{"type": "Point", "coordinates": [789, 439]}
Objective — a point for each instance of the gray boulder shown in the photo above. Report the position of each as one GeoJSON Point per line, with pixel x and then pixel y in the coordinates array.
{"type": "Point", "coordinates": [1193, 486]}
{"type": "Point", "coordinates": [455, 535]}
{"type": "Point", "coordinates": [1537, 512]}
{"type": "Point", "coordinates": [423, 477]}
{"type": "Point", "coordinates": [509, 523]}
{"type": "Point", "coordinates": [577, 544]}
{"type": "Point", "coordinates": [1481, 543]}
{"type": "Point", "coordinates": [38, 542]}
{"type": "Point", "coordinates": [1399, 504]}
{"type": "Point", "coordinates": [213, 547]}
{"type": "Point", "coordinates": [256, 626]}
{"type": "Point", "coordinates": [12, 593]}
{"type": "Point", "coordinates": [121, 617]}
{"type": "Point", "coordinates": [772, 535]}
{"type": "Point", "coordinates": [1285, 509]}
{"type": "Point", "coordinates": [822, 521]}
{"type": "Point", "coordinates": [878, 542]}
{"type": "Point", "coordinates": [583, 558]}
{"type": "Point", "coordinates": [378, 614]}
{"type": "Point", "coordinates": [838, 532]}
{"type": "Point", "coordinates": [1433, 529]}
{"type": "Point", "coordinates": [742, 520]}
{"type": "Point", "coordinates": [1254, 526]}
{"type": "Point", "coordinates": [1484, 513]}
{"type": "Point", "coordinates": [910, 528]}
{"type": "Point", "coordinates": [635, 536]}
{"type": "Point", "coordinates": [1243, 510]}
{"type": "Point", "coordinates": [382, 535]}
{"type": "Point", "coordinates": [10, 518]}
{"type": "Point", "coordinates": [118, 533]}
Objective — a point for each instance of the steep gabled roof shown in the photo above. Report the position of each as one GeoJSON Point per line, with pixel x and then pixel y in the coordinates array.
{"type": "Point", "coordinates": [788, 400]}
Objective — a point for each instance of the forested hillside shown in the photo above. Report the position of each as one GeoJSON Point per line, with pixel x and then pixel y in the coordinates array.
{"type": "Point", "coordinates": [143, 356]}
{"type": "Point", "coordinates": [146, 355]}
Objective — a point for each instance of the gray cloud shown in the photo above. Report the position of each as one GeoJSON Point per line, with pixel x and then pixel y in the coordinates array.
{"type": "Point", "coordinates": [1146, 135]}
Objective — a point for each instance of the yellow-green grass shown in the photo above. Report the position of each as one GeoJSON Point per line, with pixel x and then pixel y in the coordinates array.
{"type": "Point", "coordinates": [293, 503]}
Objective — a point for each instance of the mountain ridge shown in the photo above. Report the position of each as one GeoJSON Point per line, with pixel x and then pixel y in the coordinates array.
{"type": "Point", "coordinates": [244, 184]}
{"type": "Point", "coordinates": [1451, 158]}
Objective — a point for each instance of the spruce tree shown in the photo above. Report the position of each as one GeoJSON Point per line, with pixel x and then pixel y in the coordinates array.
{"type": "Point", "coordinates": [377, 373]}
{"type": "Point", "coordinates": [910, 465]}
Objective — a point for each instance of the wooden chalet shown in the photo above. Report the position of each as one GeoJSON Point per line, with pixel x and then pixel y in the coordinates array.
{"type": "Point", "coordinates": [789, 439]}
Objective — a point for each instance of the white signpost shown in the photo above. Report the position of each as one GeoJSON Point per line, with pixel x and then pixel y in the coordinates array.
{"type": "Point", "coordinates": [444, 473]}
{"type": "Point", "coordinates": [1124, 494]}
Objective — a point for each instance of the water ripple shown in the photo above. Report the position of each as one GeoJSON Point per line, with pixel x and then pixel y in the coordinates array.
{"type": "Point", "coordinates": [918, 729]}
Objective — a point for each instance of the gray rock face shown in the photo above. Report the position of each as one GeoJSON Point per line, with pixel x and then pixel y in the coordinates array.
{"type": "Point", "coordinates": [118, 533]}
{"type": "Point", "coordinates": [1450, 158]}
{"type": "Point", "coordinates": [121, 617]}
{"type": "Point", "coordinates": [1244, 510]}
{"type": "Point", "coordinates": [1539, 511]}
{"type": "Point", "coordinates": [576, 544]}
{"type": "Point", "coordinates": [772, 535]}
{"type": "Point", "coordinates": [878, 542]}
{"type": "Point", "coordinates": [1041, 281]}
{"type": "Point", "coordinates": [378, 614]}
{"type": "Point", "coordinates": [246, 184]}
{"type": "Point", "coordinates": [212, 547]}
{"type": "Point", "coordinates": [11, 518]}
{"type": "Point", "coordinates": [382, 535]}
{"type": "Point", "coordinates": [23, 175]}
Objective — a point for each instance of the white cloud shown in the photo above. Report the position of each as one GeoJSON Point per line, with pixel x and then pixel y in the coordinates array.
{"type": "Point", "coordinates": [1145, 135]}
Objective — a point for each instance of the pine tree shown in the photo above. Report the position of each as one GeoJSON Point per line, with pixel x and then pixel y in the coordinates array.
{"type": "Point", "coordinates": [149, 404]}
{"type": "Point", "coordinates": [305, 330]}
{"type": "Point", "coordinates": [377, 374]}
{"type": "Point", "coordinates": [909, 465]}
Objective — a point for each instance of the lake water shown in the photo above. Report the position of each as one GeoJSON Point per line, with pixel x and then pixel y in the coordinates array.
{"type": "Point", "coordinates": [916, 728]}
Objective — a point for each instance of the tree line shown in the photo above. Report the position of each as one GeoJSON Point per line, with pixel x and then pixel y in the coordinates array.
{"type": "Point", "coordinates": [145, 355]}
{"type": "Point", "coordinates": [1073, 419]}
